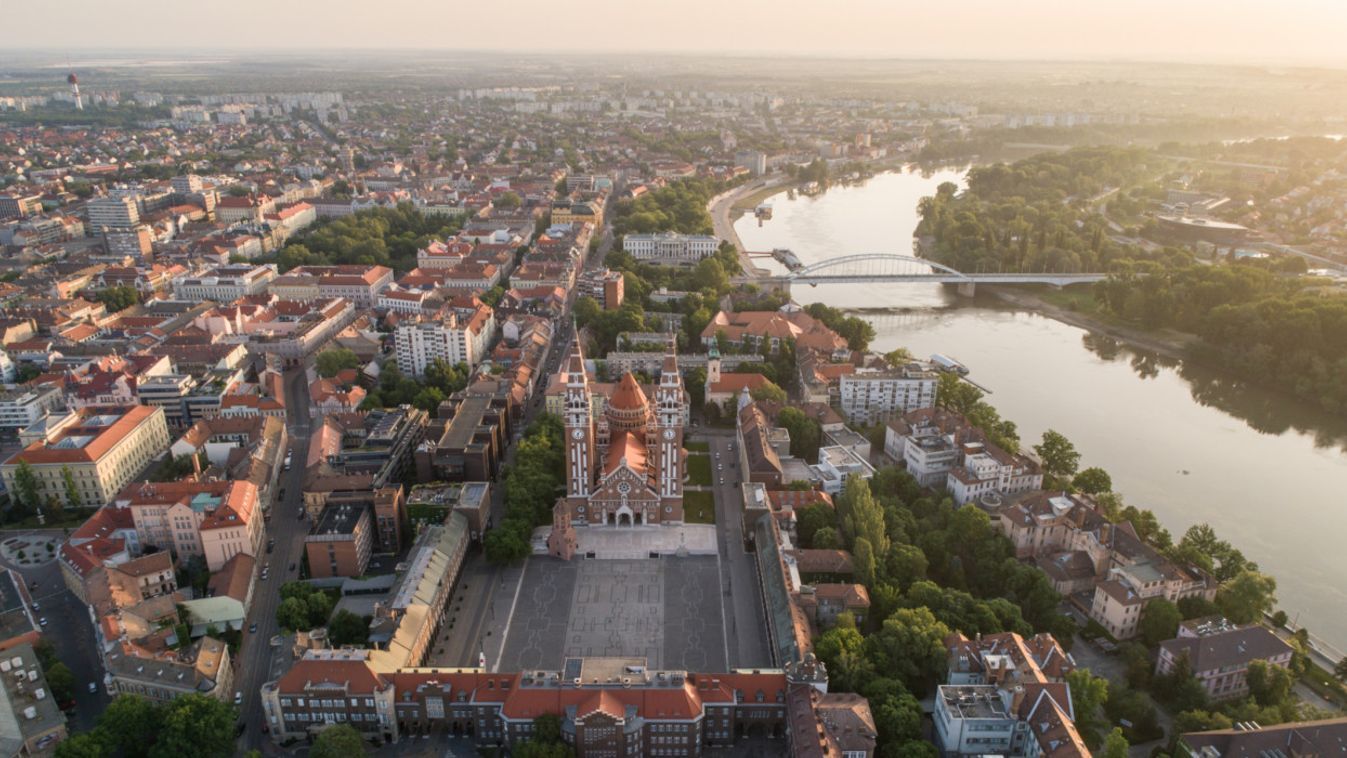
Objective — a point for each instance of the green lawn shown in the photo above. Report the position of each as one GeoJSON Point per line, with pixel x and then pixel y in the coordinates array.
{"type": "Point", "coordinates": [1323, 683]}
{"type": "Point", "coordinates": [699, 470]}
{"type": "Point", "coordinates": [699, 508]}
{"type": "Point", "coordinates": [698, 447]}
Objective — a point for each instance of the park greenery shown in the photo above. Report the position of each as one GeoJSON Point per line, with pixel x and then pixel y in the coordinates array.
{"type": "Point", "coordinates": [532, 484]}
{"type": "Point", "coordinates": [375, 237]}
{"type": "Point", "coordinates": [338, 741]}
{"type": "Point", "coordinates": [679, 206]}
{"type": "Point", "coordinates": [131, 726]}
{"type": "Point", "coordinates": [303, 607]}
{"type": "Point", "coordinates": [396, 388]}
{"type": "Point", "coordinates": [119, 298]}
{"type": "Point", "coordinates": [1035, 214]}
{"type": "Point", "coordinates": [333, 361]}
{"type": "Point", "coordinates": [856, 331]}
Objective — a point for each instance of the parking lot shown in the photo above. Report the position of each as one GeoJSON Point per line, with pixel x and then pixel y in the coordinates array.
{"type": "Point", "coordinates": [665, 610]}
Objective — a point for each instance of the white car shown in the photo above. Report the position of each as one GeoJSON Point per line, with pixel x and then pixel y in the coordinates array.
{"type": "Point", "coordinates": [238, 697]}
{"type": "Point", "coordinates": [93, 688]}
{"type": "Point", "coordinates": [42, 621]}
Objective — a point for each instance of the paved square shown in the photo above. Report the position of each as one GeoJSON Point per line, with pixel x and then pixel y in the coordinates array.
{"type": "Point", "coordinates": [666, 610]}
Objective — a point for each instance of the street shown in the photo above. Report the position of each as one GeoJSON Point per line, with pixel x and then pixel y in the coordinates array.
{"type": "Point", "coordinates": [740, 590]}
{"type": "Point", "coordinates": [258, 661]}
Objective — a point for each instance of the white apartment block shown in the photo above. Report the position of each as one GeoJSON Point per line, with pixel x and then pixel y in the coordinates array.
{"type": "Point", "coordinates": [23, 407]}
{"type": "Point", "coordinates": [988, 470]}
{"type": "Point", "coordinates": [224, 284]}
{"type": "Point", "coordinates": [112, 212]}
{"type": "Point", "coordinates": [421, 344]}
{"type": "Point", "coordinates": [670, 246]}
{"type": "Point", "coordinates": [870, 396]}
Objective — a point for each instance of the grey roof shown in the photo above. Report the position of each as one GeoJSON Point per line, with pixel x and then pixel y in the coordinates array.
{"type": "Point", "coordinates": [1233, 648]}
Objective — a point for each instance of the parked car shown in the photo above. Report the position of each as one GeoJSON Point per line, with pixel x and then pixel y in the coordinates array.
{"type": "Point", "coordinates": [93, 688]}
{"type": "Point", "coordinates": [252, 628]}
{"type": "Point", "coordinates": [42, 621]}
{"type": "Point", "coordinates": [238, 697]}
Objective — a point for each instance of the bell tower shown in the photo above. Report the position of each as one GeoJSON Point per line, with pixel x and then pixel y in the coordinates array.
{"type": "Point", "coordinates": [579, 428]}
{"type": "Point", "coordinates": [669, 406]}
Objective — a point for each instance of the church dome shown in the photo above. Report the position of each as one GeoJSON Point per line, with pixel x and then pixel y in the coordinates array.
{"type": "Point", "coordinates": [627, 408]}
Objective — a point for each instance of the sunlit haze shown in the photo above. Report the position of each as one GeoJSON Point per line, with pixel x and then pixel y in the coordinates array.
{"type": "Point", "coordinates": [1303, 31]}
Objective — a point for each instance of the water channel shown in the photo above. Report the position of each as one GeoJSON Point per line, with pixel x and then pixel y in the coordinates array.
{"type": "Point", "coordinates": [1269, 474]}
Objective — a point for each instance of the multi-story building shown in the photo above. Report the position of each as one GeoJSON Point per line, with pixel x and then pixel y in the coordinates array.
{"type": "Point", "coordinates": [31, 721]}
{"type": "Point", "coordinates": [1001, 701]}
{"type": "Point", "coordinates": [213, 519]}
{"type": "Point", "coordinates": [112, 213]}
{"type": "Point", "coordinates": [438, 255]}
{"type": "Point", "coordinates": [607, 706]}
{"type": "Point", "coordinates": [19, 206]}
{"type": "Point", "coordinates": [403, 628]}
{"type": "Point", "coordinates": [340, 543]}
{"type": "Point", "coordinates": [224, 284]}
{"type": "Point", "coordinates": [1298, 738]}
{"type": "Point", "coordinates": [1219, 653]}
{"type": "Point", "coordinates": [135, 241]}
{"type": "Point", "coordinates": [24, 406]}
{"type": "Point", "coordinates": [670, 247]}
{"type": "Point", "coordinates": [201, 668]}
{"type": "Point", "coordinates": [447, 337]}
{"type": "Point", "coordinates": [360, 285]}
{"type": "Point", "coordinates": [871, 396]}
{"type": "Point", "coordinates": [98, 450]}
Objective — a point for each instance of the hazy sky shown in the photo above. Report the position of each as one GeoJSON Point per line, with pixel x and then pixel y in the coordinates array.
{"type": "Point", "coordinates": [1299, 31]}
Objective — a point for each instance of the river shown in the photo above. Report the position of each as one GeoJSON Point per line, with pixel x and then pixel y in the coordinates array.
{"type": "Point", "coordinates": [1266, 472]}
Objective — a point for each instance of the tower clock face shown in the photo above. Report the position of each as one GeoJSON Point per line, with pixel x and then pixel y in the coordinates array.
{"type": "Point", "coordinates": [668, 434]}
{"type": "Point", "coordinates": [578, 434]}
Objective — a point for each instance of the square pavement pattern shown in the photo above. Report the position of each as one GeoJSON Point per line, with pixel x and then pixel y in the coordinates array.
{"type": "Point", "coordinates": [666, 610]}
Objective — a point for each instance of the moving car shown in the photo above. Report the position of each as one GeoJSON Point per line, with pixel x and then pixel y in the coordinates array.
{"type": "Point", "coordinates": [238, 697]}
{"type": "Point", "coordinates": [93, 688]}
{"type": "Point", "coordinates": [252, 628]}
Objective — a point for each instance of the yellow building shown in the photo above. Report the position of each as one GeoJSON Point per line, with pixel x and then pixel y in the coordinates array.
{"type": "Point", "coordinates": [578, 213]}
{"type": "Point", "coordinates": [102, 448]}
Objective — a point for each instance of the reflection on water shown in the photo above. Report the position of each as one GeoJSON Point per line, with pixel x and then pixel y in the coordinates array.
{"type": "Point", "coordinates": [1190, 444]}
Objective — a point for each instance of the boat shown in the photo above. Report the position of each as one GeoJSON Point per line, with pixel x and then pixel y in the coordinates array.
{"type": "Point", "coordinates": [946, 363]}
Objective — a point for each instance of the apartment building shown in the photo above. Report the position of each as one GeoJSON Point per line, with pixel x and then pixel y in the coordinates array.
{"type": "Point", "coordinates": [101, 448]}
{"type": "Point", "coordinates": [340, 543]}
{"type": "Point", "coordinates": [224, 284]}
{"type": "Point", "coordinates": [112, 213]}
{"type": "Point", "coordinates": [19, 206]}
{"type": "Point", "coordinates": [871, 396]}
{"type": "Point", "coordinates": [213, 519]}
{"type": "Point", "coordinates": [670, 247]}
{"type": "Point", "coordinates": [31, 721]}
{"type": "Point", "coordinates": [403, 628]}
{"type": "Point", "coordinates": [1219, 653]}
{"type": "Point", "coordinates": [201, 668]}
{"type": "Point", "coordinates": [24, 406]}
{"type": "Point", "coordinates": [447, 336]}
{"type": "Point", "coordinates": [440, 255]}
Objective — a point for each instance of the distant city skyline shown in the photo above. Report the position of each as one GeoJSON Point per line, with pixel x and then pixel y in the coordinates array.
{"type": "Point", "coordinates": [1230, 31]}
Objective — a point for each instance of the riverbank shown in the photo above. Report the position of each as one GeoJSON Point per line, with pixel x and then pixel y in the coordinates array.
{"type": "Point", "coordinates": [1166, 342]}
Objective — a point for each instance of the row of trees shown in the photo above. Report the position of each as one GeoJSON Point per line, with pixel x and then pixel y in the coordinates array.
{"type": "Point", "coordinates": [1254, 323]}
{"type": "Point", "coordinates": [131, 726]}
{"type": "Point", "coordinates": [531, 487]}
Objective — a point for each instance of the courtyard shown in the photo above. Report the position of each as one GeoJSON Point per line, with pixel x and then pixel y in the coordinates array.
{"type": "Point", "coordinates": [666, 610]}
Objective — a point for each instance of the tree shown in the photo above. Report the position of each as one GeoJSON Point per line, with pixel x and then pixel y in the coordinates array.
{"type": "Point", "coordinates": [768, 392]}
{"type": "Point", "coordinates": [26, 486]}
{"type": "Point", "coordinates": [954, 394]}
{"type": "Point", "coordinates": [130, 724]}
{"type": "Point", "coordinates": [196, 725]}
{"type": "Point", "coordinates": [119, 298]}
{"type": "Point", "coordinates": [586, 310]}
{"type": "Point", "coordinates": [1058, 455]}
{"type": "Point", "coordinates": [1093, 481]}
{"type": "Point", "coordinates": [91, 744]}
{"type": "Point", "coordinates": [507, 543]}
{"type": "Point", "coordinates": [330, 362]}
{"type": "Point", "coordinates": [911, 646]}
{"type": "Point", "coordinates": [1340, 670]}
{"type": "Point", "coordinates": [1159, 621]}
{"type": "Point", "coordinates": [62, 682]}
{"type": "Point", "coordinates": [1088, 693]}
{"type": "Point", "coordinates": [1269, 684]}
{"type": "Point", "coordinates": [806, 434]}
{"type": "Point", "coordinates": [72, 490]}
{"type": "Point", "coordinates": [812, 518]}
{"type": "Point", "coordinates": [338, 741]}
{"type": "Point", "coordinates": [1246, 597]}
{"type": "Point", "coordinates": [841, 649]}
{"type": "Point", "coordinates": [861, 516]}
{"type": "Point", "coordinates": [507, 201]}
{"type": "Point", "coordinates": [826, 539]}
{"type": "Point", "coordinates": [547, 728]}
{"type": "Point", "coordinates": [346, 628]}
{"type": "Point", "coordinates": [293, 614]}
{"type": "Point", "coordinates": [1115, 745]}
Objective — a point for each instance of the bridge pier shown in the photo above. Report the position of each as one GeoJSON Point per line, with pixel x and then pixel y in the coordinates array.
{"type": "Point", "coordinates": [967, 289]}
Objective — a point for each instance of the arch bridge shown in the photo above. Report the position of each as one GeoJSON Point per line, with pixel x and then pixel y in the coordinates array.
{"type": "Point", "coordinates": [896, 269]}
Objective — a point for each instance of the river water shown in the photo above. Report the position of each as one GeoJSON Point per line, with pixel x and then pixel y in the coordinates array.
{"type": "Point", "coordinates": [1267, 473]}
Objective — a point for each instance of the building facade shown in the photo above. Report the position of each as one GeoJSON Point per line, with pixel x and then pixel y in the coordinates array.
{"type": "Point", "coordinates": [670, 247]}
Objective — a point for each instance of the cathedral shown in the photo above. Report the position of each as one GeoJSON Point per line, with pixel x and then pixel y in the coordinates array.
{"type": "Point", "coordinates": [625, 464]}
